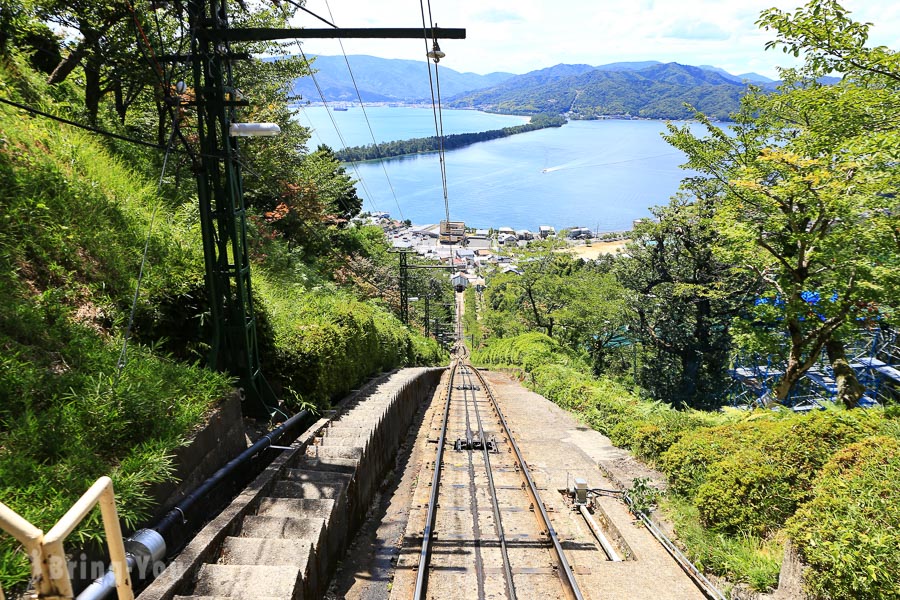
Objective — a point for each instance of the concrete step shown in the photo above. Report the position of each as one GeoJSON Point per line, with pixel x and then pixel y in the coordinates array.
{"type": "Point", "coordinates": [327, 464]}
{"type": "Point", "coordinates": [368, 421]}
{"type": "Point", "coordinates": [261, 551]}
{"type": "Point", "coordinates": [346, 431]}
{"type": "Point", "coordinates": [335, 452]}
{"type": "Point", "coordinates": [310, 528]}
{"type": "Point", "coordinates": [288, 553]}
{"type": "Point", "coordinates": [295, 507]}
{"type": "Point", "coordinates": [316, 476]}
{"type": "Point", "coordinates": [304, 489]}
{"type": "Point", "coordinates": [363, 441]}
{"type": "Point", "coordinates": [247, 582]}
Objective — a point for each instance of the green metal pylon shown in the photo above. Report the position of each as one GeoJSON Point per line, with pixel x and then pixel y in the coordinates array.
{"type": "Point", "coordinates": [223, 216]}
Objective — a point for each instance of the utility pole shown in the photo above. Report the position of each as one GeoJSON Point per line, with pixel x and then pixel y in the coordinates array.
{"type": "Point", "coordinates": [223, 218]}
{"type": "Point", "coordinates": [404, 282]}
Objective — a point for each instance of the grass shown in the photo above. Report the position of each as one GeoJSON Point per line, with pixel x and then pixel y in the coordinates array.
{"type": "Point", "coordinates": [744, 559]}
{"type": "Point", "coordinates": [73, 220]}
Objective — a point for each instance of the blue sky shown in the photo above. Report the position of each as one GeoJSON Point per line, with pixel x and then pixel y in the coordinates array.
{"type": "Point", "coordinates": [525, 35]}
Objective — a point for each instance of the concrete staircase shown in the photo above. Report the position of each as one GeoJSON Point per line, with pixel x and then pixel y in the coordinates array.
{"type": "Point", "coordinates": [285, 541]}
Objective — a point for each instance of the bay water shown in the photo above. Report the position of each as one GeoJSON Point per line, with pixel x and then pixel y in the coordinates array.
{"type": "Point", "coordinates": [600, 174]}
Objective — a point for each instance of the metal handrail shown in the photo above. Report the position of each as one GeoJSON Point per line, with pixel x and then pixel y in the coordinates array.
{"type": "Point", "coordinates": [48, 558]}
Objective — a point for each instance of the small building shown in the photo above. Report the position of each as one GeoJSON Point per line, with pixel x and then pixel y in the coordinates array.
{"type": "Point", "coordinates": [481, 233]}
{"type": "Point", "coordinates": [506, 238]}
{"type": "Point", "coordinates": [579, 233]}
{"type": "Point", "coordinates": [453, 232]}
{"type": "Point", "coordinates": [426, 230]}
{"type": "Point", "coordinates": [546, 231]}
{"type": "Point", "coordinates": [524, 234]}
{"type": "Point", "coordinates": [465, 254]}
{"type": "Point", "coordinates": [506, 230]}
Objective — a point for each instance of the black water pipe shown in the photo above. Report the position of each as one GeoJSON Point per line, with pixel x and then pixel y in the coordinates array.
{"type": "Point", "coordinates": [171, 533]}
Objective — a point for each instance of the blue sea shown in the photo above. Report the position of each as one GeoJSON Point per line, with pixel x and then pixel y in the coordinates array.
{"type": "Point", "coordinates": [597, 174]}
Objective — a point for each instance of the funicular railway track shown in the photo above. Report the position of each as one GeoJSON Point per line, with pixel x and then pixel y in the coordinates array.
{"type": "Point", "coordinates": [487, 533]}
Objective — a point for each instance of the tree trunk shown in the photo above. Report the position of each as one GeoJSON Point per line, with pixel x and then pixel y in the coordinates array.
{"type": "Point", "coordinates": [121, 107]}
{"type": "Point", "coordinates": [68, 64]}
{"type": "Point", "coordinates": [690, 373]}
{"type": "Point", "coordinates": [849, 389]}
{"type": "Point", "coordinates": [791, 376]}
{"type": "Point", "coordinates": [534, 308]}
{"type": "Point", "coordinates": [92, 92]}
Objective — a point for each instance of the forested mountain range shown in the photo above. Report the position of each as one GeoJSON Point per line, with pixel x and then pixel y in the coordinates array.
{"type": "Point", "coordinates": [643, 89]}
{"type": "Point", "coordinates": [655, 91]}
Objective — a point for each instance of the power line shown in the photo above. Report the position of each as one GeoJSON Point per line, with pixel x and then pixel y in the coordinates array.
{"type": "Point", "coordinates": [436, 107]}
{"type": "Point", "coordinates": [337, 130]}
{"type": "Point", "coordinates": [366, 116]}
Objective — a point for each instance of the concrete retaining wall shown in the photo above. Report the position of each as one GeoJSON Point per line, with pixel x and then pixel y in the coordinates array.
{"type": "Point", "coordinates": [220, 440]}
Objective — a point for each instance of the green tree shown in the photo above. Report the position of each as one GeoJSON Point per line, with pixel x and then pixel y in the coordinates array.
{"type": "Point", "coordinates": [682, 299]}
{"type": "Point", "coordinates": [808, 182]}
{"type": "Point", "coordinates": [105, 48]}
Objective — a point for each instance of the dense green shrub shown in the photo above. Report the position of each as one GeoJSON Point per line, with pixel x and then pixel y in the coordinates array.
{"type": "Point", "coordinates": [849, 532]}
{"type": "Point", "coordinates": [746, 492]}
{"type": "Point", "coordinates": [770, 468]}
{"type": "Point", "coordinates": [325, 342]}
{"type": "Point", "coordinates": [687, 461]}
{"type": "Point", "coordinates": [529, 351]}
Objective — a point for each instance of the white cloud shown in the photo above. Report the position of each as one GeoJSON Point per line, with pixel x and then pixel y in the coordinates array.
{"type": "Point", "coordinates": [697, 30]}
{"type": "Point", "coordinates": [531, 34]}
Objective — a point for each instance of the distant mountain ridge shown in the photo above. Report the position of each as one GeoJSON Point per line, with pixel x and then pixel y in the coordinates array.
{"type": "Point", "coordinates": [649, 89]}
{"type": "Point", "coordinates": [385, 80]}
{"type": "Point", "coordinates": [646, 90]}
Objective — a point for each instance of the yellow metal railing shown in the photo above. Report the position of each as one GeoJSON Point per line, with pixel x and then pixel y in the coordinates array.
{"type": "Point", "coordinates": [49, 569]}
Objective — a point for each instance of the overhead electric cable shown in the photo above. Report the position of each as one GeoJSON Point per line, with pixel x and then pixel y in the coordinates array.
{"type": "Point", "coordinates": [337, 130]}
{"type": "Point", "coordinates": [435, 107]}
{"type": "Point", "coordinates": [366, 117]}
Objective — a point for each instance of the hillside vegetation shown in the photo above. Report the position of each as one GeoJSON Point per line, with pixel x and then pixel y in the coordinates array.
{"type": "Point", "coordinates": [77, 209]}
{"type": "Point", "coordinates": [448, 142]}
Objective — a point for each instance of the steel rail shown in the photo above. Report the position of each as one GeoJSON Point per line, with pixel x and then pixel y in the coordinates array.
{"type": "Point", "coordinates": [498, 521]}
{"type": "Point", "coordinates": [473, 495]}
{"type": "Point", "coordinates": [421, 576]}
{"type": "Point", "coordinates": [567, 576]}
